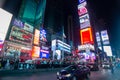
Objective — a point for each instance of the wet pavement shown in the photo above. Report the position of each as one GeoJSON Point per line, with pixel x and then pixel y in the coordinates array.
{"type": "Point", "coordinates": [102, 74]}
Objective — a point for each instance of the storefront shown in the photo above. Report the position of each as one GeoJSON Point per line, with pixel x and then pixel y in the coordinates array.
{"type": "Point", "coordinates": [16, 51]}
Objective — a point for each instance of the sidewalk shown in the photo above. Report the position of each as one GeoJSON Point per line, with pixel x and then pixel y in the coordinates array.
{"type": "Point", "coordinates": [26, 71]}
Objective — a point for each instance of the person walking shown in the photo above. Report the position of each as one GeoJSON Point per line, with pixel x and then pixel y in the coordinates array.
{"type": "Point", "coordinates": [112, 68]}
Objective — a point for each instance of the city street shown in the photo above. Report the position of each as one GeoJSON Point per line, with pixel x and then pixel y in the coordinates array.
{"type": "Point", "coordinates": [103, 74]}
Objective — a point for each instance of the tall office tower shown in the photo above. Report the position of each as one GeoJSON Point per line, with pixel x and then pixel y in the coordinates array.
{"type": "Point", "coordinates": [32, 12]}
{"type": "Point", "coordinates": [54, 17]}
{"type": "Point", "coordinates": [70, 30]}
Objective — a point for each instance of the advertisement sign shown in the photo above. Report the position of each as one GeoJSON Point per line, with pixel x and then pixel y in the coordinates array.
{"type": "Point", "coordinates": [36, 51]}
{"type": "Point", "coordinates": [108, 50]}
{"type": "Point", "coordinates": [20, 35]}
{"type": "Point", "coordinates": [82, 10]}
{"type": "Point", "coordinates": [53, 45]}
{"type": "Point", "coordinates": [98, 36]}
{"type": "Point", "coordinates": [85, 25]}
{"type": "Point", "coordinates": [81, 1]}
{"type": "Point", "coordinates": [36, 37]}
{"type": "Point", "coordinates": [82, 4]}
{"type": "Point", "coordinates": [84, 18]}
{"type": "Point", "coordinates": [86, 36]}
{"type": "Point", "coordinates": [4, 24]}
{"type": "Point", "coordinates": [18, 23]}
{"type": "Point", "coordinates": [104, 35]}
{"type": "Point", "coordinates": [105, 38]}
{"type": "Point", "coordinates": [84, 21]}
{"type": "Point", "coordinates": [86, 46]}
{"type": "Point", "coordinates": [44, 48]}
{"type": "Point", "coordinates": [28, 28]}
{"type": "Point", "coordinates": [44, 54]}
{"type": "Point", "coordinates": [43, 35]}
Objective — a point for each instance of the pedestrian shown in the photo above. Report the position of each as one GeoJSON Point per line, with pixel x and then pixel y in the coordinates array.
{"type": "Point", "coordinates": [112, 68]}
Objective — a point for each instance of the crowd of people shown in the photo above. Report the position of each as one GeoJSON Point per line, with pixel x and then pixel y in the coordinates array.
{"type": "Point", "coordinates": [36, 64]}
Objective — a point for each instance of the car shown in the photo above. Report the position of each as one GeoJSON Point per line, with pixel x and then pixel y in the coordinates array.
{"type": "Point", "coordinates": [93, 66]}
{"type": "Point", "coordinates": [106, 65]}
{"type": "Point", "coordinates": [73, 72]}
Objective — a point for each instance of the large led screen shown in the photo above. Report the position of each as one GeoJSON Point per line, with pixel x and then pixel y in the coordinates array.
{"type": "Point", "coordinates": [4, 24]}
{"type": "Point", "coordinates": [105, 37]}
{"type": "Point", "coordinates": [86, 36]}
{"type": "Point", "coordinates": [82, 10]}
{"type": "Point", "coordinates": [108, 50]}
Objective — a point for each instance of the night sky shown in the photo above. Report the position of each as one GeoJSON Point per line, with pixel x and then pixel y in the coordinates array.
{"type": "Point", "coordinates": [104, 14]}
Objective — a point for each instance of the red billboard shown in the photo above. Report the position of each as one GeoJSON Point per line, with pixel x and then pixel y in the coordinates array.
{"type": "Point", "coordinates": [86, 36]}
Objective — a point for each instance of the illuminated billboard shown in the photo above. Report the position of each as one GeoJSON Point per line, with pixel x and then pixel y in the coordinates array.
{"type": "Point", "coordinates": [4, 24]}
{"type": "Point", "coordinates": [28, 28]}
{"type": "Point", "coordinates": [43, 35]}
{"type": "Point", "coordinates": [83, 4]}
{"type": "Point", "coordinates": [84, 21]}
{"type": "Point", "coordinates": [20, 36]}
{"type": "Point", "coordinates": [108, 50]}
{"type": "Point", "coordinates": [36, 37]}
{"type": "Point", "coordinates": [98, 39]}
{"type": "Point", "coordinates": [35, 51]}
{"type": "Point", "coordinates": [81, 1]}
{"type": "Point", "coordinates": [86, 36]}
{"type": "Point", "coordinates": [82, 10]}
{"type": "Point", "coordinates": [105, 38]}
{"type": "Point", "coordinates": [18, 23]}
{"type": "Point", "coordinates": [44, 54]}
{"type": "Point", "coordinates": [84, 18]}
{"type": "Point", "coordinates": [53, 44]}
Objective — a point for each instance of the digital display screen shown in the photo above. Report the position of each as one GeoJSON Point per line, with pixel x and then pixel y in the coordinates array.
{"type": "Point", "coordinates": [82, 10]}
{"type": "Point", "coordinates": [108, 50]}
{"type": "Point", "coordinates": [4, 24]}
{"type": "Point", "coordinates": [86, 36]}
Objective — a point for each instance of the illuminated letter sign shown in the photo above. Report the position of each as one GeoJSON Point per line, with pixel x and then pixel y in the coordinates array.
{"type": "Point", "coordinates": [86, 36]}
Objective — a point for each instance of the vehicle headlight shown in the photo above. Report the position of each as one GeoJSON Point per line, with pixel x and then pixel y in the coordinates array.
{"type": "Point", "coordinates": [58, 73]}
{"type": "Point", "coordinates": [68, 75]}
